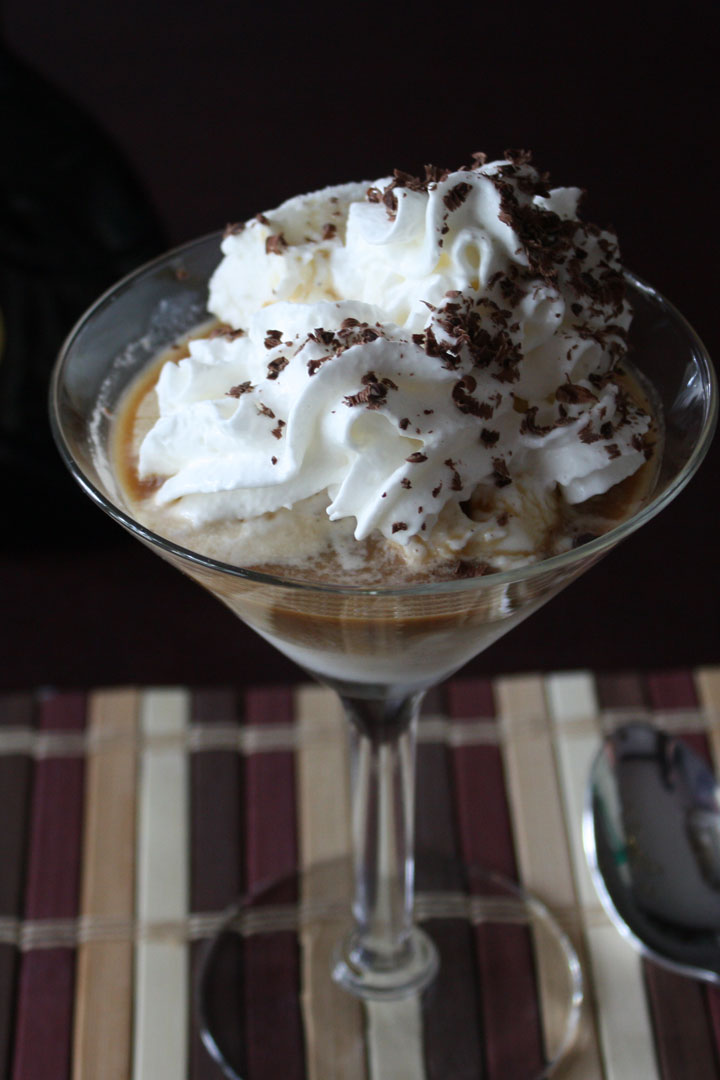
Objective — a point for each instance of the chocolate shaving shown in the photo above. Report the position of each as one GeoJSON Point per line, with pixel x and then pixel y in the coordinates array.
{"type": "Point", "coordinates": [501, 474]}
{"type": "Point", "coordinates": [329, 231]}
{"type": "Point", "coordinates": [456, 483]}
{"type": "Point", "coordinates": [605, 286]}
{"type": "Point", "coordinates": [272, 339]}
{"type": "Point", "coordinates": [546, 238]}
{"type": "Point", "coordinates": [466, 325]}
{"type": "Point", "coordinates": [450, 361]}
{"type": "Point", "coordinates": [374, 392]}
{"type": "Point", "coordinates": [511, 292]}
{"type": "Point", "coordinates": [529, 426]}
{"type": "Point", "coordinates": [588, 435]}
{"type": "Point", "coordinates": [405, 483]}
{"type": "Point", "coordinates": [275, 244]}
{"type": "Point", "coordinates": [489, 438]}
{"type": "Point", "coordinates": [389, 198]}
{"type": "Point", "coordinates": [399, 526]}
{"type": "Point", "coordinates": [367, 396]}
{"type": "Point", "coordinates": [456, 196]}
{"type": "Point", "coordinates": [642, 445]}
{"type": "Point", "coordinates": [314, 365]}
{"type": "Point", "coordinates": [234, 229]}
{"type": "Point", "coordinates": [466, 403]}
{"type": "Point", "coordinates": [322, 337]}
{"type": "Point", "coordinates": [240, 389]}
{"type": "Point", "coordinates": [224, 330]}
{"type": "Point", "coordinates": [276, 366]}
{"type": "Point", "coordinates": [433, 175]}
{"type": "Point", "coordinates": [574, 394]}
{"type": "Point", "coordinates": [416, 458]}
{"type": "Point", "coordinates": [265, 410]}
{"type": "Point", "coordinates": [277, 431]}
{"type": "Point", "coordinates": [518, 157]}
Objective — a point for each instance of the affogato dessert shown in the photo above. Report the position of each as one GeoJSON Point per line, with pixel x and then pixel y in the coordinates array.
{"type": "Point", "coordinates": [407, 381]}
{"type": "Point", "coordinates": [408, 378]}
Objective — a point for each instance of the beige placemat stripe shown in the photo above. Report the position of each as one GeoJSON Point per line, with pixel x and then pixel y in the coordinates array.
{"type": "Point", "coordinates": [332, 1019]}
{"type": "Point", "coordinates": [707, 684]}
{"type": "Point", "coordinates": [623, 1019]}
{"type": "Point", "coordinates": [161, 967]}
{"type": "Point", "coordinates": [543, 855]}
{"type": "Point", "coordinates": [537, 812]}
{"type": "Point", "coordinates": [103, 995]}
{"type": "Point", "coordinates": [395, 1040]}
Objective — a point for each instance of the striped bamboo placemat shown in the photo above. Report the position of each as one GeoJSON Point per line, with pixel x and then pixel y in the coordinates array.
{"type": "Point", "coordinates": [133, 817]}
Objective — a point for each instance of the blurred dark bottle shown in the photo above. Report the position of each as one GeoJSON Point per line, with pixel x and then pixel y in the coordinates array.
{"type": "Point", "coordinates": [73, 219]}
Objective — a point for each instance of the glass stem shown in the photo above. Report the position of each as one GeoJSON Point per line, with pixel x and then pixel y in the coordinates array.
{"type": "Point", "coordinates": [385, 952]}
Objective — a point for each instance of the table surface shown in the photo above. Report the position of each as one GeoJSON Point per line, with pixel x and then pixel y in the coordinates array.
{"type": "Point", "coordinates": [133, 817]}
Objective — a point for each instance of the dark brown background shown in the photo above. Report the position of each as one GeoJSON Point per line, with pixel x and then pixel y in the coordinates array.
{"type": "Point", "coordinates": [224, 110]}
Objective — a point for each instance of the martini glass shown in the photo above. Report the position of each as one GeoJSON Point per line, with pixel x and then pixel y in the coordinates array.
{"type": "Point", "coordinates": [379, 648]}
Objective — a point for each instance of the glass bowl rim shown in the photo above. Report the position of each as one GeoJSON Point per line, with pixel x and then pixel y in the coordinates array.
{"type": "Point", "coordinates": [564, 560]}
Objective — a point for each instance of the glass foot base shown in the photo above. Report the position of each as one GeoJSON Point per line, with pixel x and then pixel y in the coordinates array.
{"type": "Point", "coordinates": [277, 996]}
{"type": "Point", "coordinates": [418, 969]}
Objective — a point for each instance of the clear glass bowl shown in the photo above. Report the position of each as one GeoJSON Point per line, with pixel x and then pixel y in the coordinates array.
{"type": "Point", "coordinates": [379, 648]}
{"type": "Point", "coordinates": [406, 638]}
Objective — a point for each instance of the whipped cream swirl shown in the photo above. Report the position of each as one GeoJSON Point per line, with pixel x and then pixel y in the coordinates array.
{"type": "Point", "coordinates": [398, 345]}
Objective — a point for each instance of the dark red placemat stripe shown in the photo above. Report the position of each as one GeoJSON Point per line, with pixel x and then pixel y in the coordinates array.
{"type": "Point", "coordinates": [452, 1008]}
{"type": "Point", "coordinates": [215, 854]}
{"type": "Point", "coordinates": [513, 1035]}
{"type": "Point", "coordinates": [273, 1021]}
{"type": "Point", "coordinates": [16, 711]}
{"type": "Point", "coordinates": [684, 1036]}
{"type": "Point", "coordinates": [43, 1033]}
{"type": "Point", "coordinates": [676, 690]}
{"type": "Point", "coordinates": [216, 823]}
{"type": "Point", "coordinates": [271, 833]}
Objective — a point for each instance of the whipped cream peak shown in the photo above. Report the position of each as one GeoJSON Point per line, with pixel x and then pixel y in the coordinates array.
{"type": "Point", "coordinates": [399, 345]}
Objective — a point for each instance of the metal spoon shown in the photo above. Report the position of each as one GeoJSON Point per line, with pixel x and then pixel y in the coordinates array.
{"type": "Point", "coordinates": [651, 833]}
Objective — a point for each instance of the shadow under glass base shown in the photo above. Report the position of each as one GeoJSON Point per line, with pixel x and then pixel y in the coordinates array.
{"type": "Point", "coordinates": [505, 1001]}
